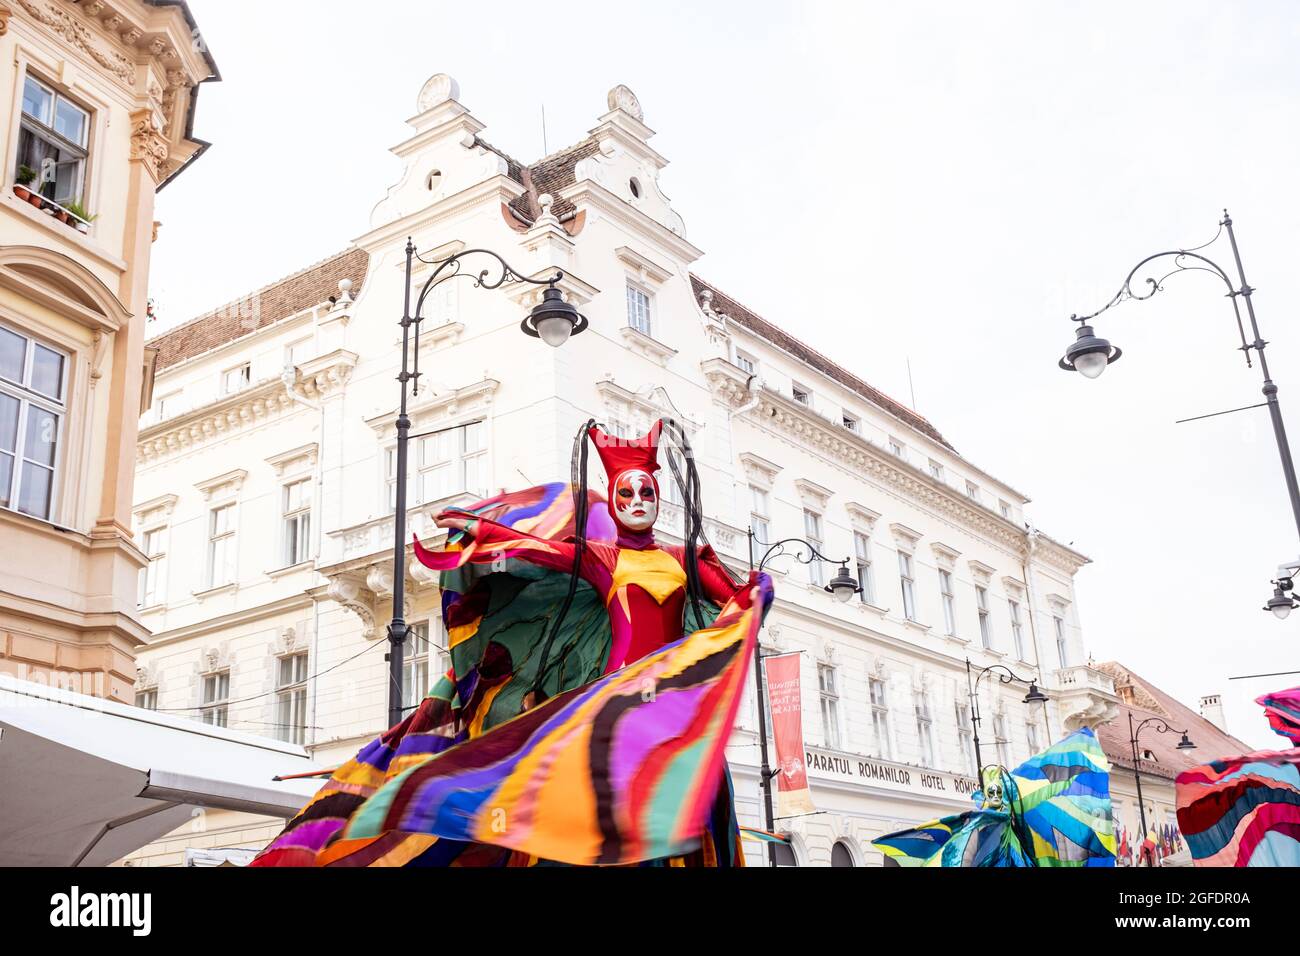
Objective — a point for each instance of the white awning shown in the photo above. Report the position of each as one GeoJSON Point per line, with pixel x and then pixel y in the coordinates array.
{"type": "Point", "coordinates": [85, 781]}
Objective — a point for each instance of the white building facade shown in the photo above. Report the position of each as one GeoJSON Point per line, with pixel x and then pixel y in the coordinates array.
{"type": "Point", "coordinates": [265, 483]}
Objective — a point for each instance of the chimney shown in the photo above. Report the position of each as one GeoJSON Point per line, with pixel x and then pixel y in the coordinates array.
{"type": "Point", "coordinates": [1212, 710]}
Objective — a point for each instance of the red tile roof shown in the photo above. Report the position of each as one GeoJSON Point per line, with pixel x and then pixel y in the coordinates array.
{"type": "Point", "coordinates": [783, 340]}
{"type": "Point", "coordinates": [266, 306]}
{"type": "Point", "coordinates": [1147, 700]}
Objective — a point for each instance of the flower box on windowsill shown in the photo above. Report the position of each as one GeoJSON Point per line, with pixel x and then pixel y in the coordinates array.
{"type": "Point", "coordinates": [51, 208]}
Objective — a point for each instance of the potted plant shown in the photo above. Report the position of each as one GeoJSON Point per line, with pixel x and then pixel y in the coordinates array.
{"type": "Point", "coordinates": [81, 217]}
{"type": "Point", "coordinates": [26, 176]}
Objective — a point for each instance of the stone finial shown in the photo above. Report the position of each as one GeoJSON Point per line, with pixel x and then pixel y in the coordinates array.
{"type": "Point", "coordinates": [437, 89]}
{"type": "Point", "coordinates": [622, 98]}
{"type": "Point", "coordinates": [345, 292]}
{"type": "Point", "coordinates": [545, 201]}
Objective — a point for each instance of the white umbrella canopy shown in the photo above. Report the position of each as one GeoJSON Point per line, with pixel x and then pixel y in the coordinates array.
{"type": "Point", "coordinates": [85, 781]}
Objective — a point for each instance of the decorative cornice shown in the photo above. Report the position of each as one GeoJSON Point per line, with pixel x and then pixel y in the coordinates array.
{"type": "Point", "coordinates": [944, 552]}
{"type": "Point", "coordinates": [642, 344]}
{"type": "Point", "coordinates": [982, 573]}
{"type": "Point", "coordinates": [80, 36]}
{"type": "Point", "coordinates": [295, 459]}
{"type": "Point", "coordinates": [147, 512]}
{"type": "Point", "coordinates": [759, 471]}
{"type": "Point", "coordinates": [459, 402]}
{"type": "Point", "coordinates": [905, 535]}
{"type": "Point", "coordinates": [812, 495]}
{"type": "Point", "coordinates": [859, 457]}
{"type": "Point", "coordinates": [620, 403]}
{"type": "Point", "coordinates": [222, 485]}
{"type": "Point", "coordinates": [862, 515]}
{"type": "Point", "coordinates": [644, 269]}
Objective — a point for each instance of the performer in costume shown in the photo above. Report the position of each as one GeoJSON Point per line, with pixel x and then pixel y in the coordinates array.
{"type": "Point", "coordinates": [1245, 811]}
{"type": "Point", "coordinates": [1052, 810]}
{"type": "Point", "coordinates": [565, 608]}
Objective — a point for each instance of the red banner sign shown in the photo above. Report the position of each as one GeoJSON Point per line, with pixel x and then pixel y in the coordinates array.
{"type": "Point", "coordinates": [785, 704]}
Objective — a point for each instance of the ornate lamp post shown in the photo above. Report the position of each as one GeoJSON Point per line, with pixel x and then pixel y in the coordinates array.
{"type": "Point", "coordinates": [552, 320]}
{"type": "Point", "coordinates": [1162, 728]}
{"type": "Point", "coordinates": [1090, 355]}
{"type": "Point", "coordinates": [843, 587]}
{"type": "Point", "coordinates": [1005, 676]}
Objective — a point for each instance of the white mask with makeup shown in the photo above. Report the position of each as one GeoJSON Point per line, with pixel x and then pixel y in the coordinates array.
{"type": "Point", "coordinates": [636, 504]}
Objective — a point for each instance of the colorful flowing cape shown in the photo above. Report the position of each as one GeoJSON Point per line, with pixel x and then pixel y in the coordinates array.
{"type": "Point", "coordinates": [1055, 811]}
{"type": "Point", "coordinates": [1283, 712]}
{"type": "Point", "coordinates": [1245, 811]}
{"type": "Point", "coordinates": [617, 768]}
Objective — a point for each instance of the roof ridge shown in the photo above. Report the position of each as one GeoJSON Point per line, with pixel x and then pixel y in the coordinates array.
{"type": "Point", "coordinates": [247, 295]}
{"type": "Point", "coordinates": [561, 152]}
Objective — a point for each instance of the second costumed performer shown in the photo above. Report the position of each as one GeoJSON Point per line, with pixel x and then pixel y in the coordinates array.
{"type": "Point", "coordinates": [594, 683]}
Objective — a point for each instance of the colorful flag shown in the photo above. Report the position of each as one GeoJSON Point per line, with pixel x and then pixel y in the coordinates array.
{"type": "Point", "coordinates": [786, 705]}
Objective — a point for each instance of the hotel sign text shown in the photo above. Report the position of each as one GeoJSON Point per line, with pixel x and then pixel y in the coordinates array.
{"type": "Point", "coordinates": [894, 776]}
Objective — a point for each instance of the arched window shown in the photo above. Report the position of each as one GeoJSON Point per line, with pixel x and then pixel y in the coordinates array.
{"type": "Point", "coordinates": [841, 855]}
{"type": "Point", "coordinates": [785, 855]}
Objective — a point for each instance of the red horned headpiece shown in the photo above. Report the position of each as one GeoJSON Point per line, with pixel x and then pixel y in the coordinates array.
{"type": "Point", "coordinates": [623, 454]}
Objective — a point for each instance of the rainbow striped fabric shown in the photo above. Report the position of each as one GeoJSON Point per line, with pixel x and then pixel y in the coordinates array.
{"type": "Point", "coordinates": [623, 768]}
{"type": "Point", "coordinates": [1245, 811]}
{"type": "Point", "coordinates": [1055, 811]}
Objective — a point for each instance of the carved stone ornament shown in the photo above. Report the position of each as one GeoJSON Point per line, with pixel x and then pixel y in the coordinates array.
{"type": "Point", "coordinates": [437, 89]}
{"type": "Point", "coordinates": [5, 14]}
{"type": "Point", "coordinates": [148, 144]}
{"type": "Point", "coordinates": [622, 98]}
{"type": "Point", "coordinates": [80, 36]}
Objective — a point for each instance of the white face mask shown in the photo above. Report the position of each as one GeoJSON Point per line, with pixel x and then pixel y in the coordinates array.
{"type": "Point", "coordinates": [636, 505]}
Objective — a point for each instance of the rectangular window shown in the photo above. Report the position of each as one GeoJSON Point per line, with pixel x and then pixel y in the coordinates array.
{"type": "Point", "coordinates": [153, 576]}
{"type": "Point", "coordinates": [949, 603]}
{"type": "Point", "coordinates": [849, 422]}
{"type": "Point", "coordinates": [1004, 744]}
{"type": "Point", "coordinates": [53, 135]}
{"type": "Point", "coordinates": [986, 627]}
{"type": "Point", "coordinates": [295, 353]}
{"type": "Point", "coordinates": [747, 363]}
{"type": "Point", "coordinates": [1031, 735]}
{"type": "Point", "coordinates": [936, 470]}
{"type": "Point", "coordinates": [812, 527]}
{"type": "Point", "coordinates": [880, 719]}
{"type": "Point", "coordinates": [908, 583]}
{"type": "Point", "coordinates": [830, 705]}
{"type": "Point", "coordinates": [862, 551]}
{"type": "Point", "coordinates": [147, 699]}
{"type": "Point", "coordinates": [296, 505]}
{"type": "Point", "coordinates": [446, 464]}
{"type": "Point", "coordinates": [1061, 652]}
{"type": "Point", "coordinates": [32, 406]}
{"type": "Point", "coordinates": [972, 490]}
{"type": "Point", "coordinates": [801, 394]}
{"type": "Point", "coordinates": [1017, 637]}
{"type": "Point", "coordinates": [1005, 508]}
{"type": "Point", "coordinates": [168, 406]}
{"type": "Point", "coordinates": [221, 546]}
{"type": "Point", "coordinates": [216, 697]}
{"type": "Point", "coordinates": [291, 699]}
{"type": "Point", "coordinates": [966, 738]}
{"type": "Point", "coordinates": [896, 449]}
{"type": "Point", "coordinates": [235, 379]}
{"type": "Point", "coordinates": [924, 730]}
{"type": "Point", "coordinates": [421, 666]}
{"type": "Point", "coordinates": [758, 520]}
{"type": "Point", "coordinates": [638, 310]}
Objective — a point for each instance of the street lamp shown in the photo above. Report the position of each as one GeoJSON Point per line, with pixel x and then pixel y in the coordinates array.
{"type": "Point", "coordinates": [553, 320]}
{"type": "Point", "coordinates": [842, 587]}
{"type": "Point", "coordinates": [1090, 355]}
{"type": "Point", "coordinates": [1163, 728]}
{"type": "Point", "coordinates": [1005, 676]}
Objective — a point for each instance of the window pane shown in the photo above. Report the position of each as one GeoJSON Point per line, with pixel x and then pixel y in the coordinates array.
{"type": "Point", "coordinates": [34, 491]}
{"type": "Point", "coordinates": [47, 372]}
{"type": "Point", "coordinates": [37, 101]}
{"type": "Point", "coordinates": [6, 479]}
{"type": "Point", "coordinates": [9, 407]}
{"type": "Point", "coordinates": [42, 435]}
{"type": "Point", "coordinates": [13, 352]}
{"type": "Point", "coordinates": [70, 122]}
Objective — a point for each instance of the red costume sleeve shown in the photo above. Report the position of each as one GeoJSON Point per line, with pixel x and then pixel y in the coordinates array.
{"type": "Point", "coordinates": [719, 586]}
{"type": "Point", "coordinates": [490, 537]}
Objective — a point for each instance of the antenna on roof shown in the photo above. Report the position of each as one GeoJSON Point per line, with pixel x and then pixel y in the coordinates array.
{"type": "Point", "coordinates": [546, 151]}
{"type": "Point", "coordinates": [910, 387]}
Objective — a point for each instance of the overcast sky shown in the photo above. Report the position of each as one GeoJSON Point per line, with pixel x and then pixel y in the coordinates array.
{"type": "Point", "coordinates": [943, 183]}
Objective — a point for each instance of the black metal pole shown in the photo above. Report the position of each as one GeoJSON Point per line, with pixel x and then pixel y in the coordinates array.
{"type": "Point", "coordinates": [975, 724]}
{"type": "Point", "coordinates": [397, 627]}
{"type": "Point", "coordinates": [1270, 389]}
{"type": "Point", "coordinates": [764, 771]}
{"type": "Point", "coordinates": [1137, 778]}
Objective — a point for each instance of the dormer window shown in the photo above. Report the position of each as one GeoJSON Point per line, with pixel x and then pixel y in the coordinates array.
{"type": "Point", "coordinates": [52, 140]}
{"type": "Point", "coordinates": [235, 379]}
{"type": "Point", "coordinates": [800, 394]}
{"type": "Point", "coordinates": [896, 448]}
{"type": "Point", "coordinates": [638, 309]}
{"type": "Point", "coordinates": [936, 470]}
{"type": "Point", "coordinates": [972, 491]}
{"type": "Point", "coordinates": [850, 423]}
